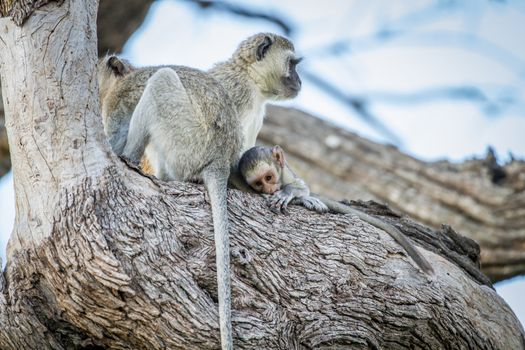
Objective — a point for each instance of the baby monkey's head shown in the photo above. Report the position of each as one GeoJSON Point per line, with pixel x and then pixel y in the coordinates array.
{"type": "Point", "coordinates": [261, 167]}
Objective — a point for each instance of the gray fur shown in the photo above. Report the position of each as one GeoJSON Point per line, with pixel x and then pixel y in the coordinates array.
{"type": "Point", "coordinates": [188, 131]}
{"type": "Point", "coordinates": [250, 84]}
{"type": "Point", "coordinates": [119, 96]}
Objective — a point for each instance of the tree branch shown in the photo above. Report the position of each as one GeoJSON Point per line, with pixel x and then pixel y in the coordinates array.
{"type": "Point", "coordinates": [137, 277]}
{"type": "Point", "coordinates": [359, 105]}
{"type": "Point", "coordinates": [479, 198]}
{"type": "Point", "coordinates": [20, 10]}
{"type": "Point", "coordinates": [117, 20]}
{"type": "Point", "coordinates": [245, 11]}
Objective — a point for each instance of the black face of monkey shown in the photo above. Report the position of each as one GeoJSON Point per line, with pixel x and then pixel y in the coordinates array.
{"type": "Point", "coordinates": [292, 82]}
{"type": "Point", "coordinates": [275, 62]}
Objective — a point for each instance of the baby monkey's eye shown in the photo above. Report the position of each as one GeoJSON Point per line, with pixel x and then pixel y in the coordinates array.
{"type": "Point", "coordinates": [258, 183]}
{"type": "Point", "coordinates": [269, 178]}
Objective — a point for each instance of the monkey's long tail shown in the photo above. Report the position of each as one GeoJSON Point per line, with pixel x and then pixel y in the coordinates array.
{"type": "Point", "coordinates": [400, 238]}
{"type": "Point", "coordinates": [216, 184]}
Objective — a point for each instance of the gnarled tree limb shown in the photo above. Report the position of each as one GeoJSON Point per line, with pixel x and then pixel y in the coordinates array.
{"type": "Point", "coordinates": [479, 198]}
{"type": "Point", "coordinates": [102, 256]}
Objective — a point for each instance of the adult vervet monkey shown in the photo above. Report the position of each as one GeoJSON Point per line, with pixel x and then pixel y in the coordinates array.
{"type": "Point", "coordinates": [262, 68]}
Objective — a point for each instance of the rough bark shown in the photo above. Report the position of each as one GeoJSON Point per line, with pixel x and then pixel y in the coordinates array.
{"type": "Point", "coordinates": [116, 21]}
{"type": "Point", "coordinates": [19, 11]}
{"type": "Point", "coordinates": [104, 257]}
{"type": "Point", "coordinates": [479, 198]}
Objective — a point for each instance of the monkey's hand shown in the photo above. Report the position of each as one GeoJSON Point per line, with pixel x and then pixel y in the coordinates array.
{"type": "Point", "coordinates": [279, 201]}
{"type": "Point", "coordinates": [311, 203]}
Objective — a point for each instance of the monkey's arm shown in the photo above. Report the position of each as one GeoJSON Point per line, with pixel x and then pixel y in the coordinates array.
{"type": "Point", "coordinates": [294, 190]}
{"type": "Point", "coordinates": [397, 235]}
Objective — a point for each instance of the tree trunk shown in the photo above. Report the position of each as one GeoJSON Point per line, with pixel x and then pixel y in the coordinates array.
{"type": "Point", "coordinates": [116, 21]}
{"type": "Point", "coordinates": [104, 257]}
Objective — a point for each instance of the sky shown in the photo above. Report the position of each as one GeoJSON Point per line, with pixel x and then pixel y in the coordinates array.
{"type": "Point", "coordinates": [476, 43]}
{"type": "Point", "coordinates": [452, 130]}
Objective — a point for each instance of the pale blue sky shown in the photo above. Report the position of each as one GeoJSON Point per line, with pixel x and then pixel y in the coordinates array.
{"type": "Point", "coordinates": [404, 65]}
{"type": "Point", "coordinates": [178, 33]}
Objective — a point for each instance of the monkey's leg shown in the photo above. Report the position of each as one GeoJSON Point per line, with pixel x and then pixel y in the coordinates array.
{"type": "Point", "coordinates": [157, 166]}
{"type": "Point", "coordinates": [138, 133]}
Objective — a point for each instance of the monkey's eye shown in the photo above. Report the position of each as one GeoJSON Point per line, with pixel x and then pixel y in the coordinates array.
{"type": "Point", "coordinates": [258, 183]}
{"type": "Point", "coordinates": [269, 178]}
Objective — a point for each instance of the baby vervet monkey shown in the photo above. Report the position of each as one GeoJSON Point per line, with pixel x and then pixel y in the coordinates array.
{"type": "Point", "coordinates": [265, 170]}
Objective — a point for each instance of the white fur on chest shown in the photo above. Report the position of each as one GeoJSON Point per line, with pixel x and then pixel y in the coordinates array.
{"type": "Point", "coordinates": [252, 121]}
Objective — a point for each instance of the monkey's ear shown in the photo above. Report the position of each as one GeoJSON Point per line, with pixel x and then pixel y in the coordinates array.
{"type": "Point", "coordinates": [278, 154]}
{"type": "Point", "coordinates": [263, 47]}
{"type": "Point", "coordinates": [116, 65]}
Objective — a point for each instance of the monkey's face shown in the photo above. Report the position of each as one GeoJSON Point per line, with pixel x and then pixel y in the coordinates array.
{"type": "Point", "coordinates": [291, 81]}
{"type": "Point", "coordinates": [273, 67]}
{"type": "Point", "coordinates": [277, 75]}
{"type": "Point", "coordinates": [264, 179]}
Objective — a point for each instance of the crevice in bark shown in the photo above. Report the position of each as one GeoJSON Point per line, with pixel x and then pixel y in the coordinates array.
{"type": "Point", "coordinates": [461, 250]}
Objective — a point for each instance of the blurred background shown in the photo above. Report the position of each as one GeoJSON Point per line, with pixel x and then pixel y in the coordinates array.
{"type": "Point", "coordinates": [441, 83]}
